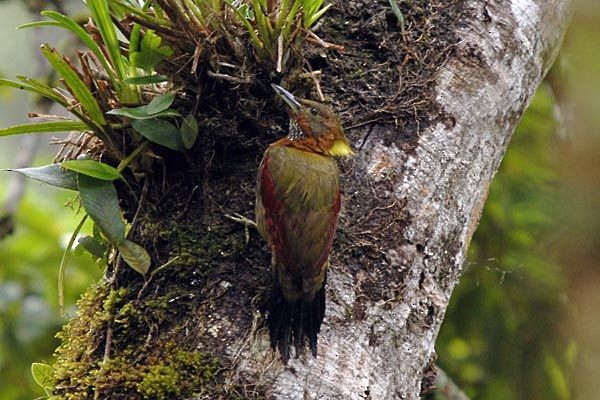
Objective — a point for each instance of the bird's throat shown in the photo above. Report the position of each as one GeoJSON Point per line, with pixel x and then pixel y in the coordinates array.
{"type": "Point", "coordinates": [340, 148]}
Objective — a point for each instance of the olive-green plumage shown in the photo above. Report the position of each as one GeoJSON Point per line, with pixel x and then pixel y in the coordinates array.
{"type": "Point", "coordinates": [307, 187]}
{"type": "Point", "coordinates": [297, 204]}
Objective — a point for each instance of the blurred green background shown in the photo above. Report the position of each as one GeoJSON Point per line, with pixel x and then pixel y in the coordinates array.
{"type": "Point", "coordinates": [523, 324]}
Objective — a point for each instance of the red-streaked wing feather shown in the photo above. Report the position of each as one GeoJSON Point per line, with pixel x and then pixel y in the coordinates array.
{"type": "Point", "coordinates": [269, 210]}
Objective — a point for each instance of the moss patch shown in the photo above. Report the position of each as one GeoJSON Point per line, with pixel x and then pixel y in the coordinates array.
{"type": "Point", "coordinates": [166, 334]}
{"type": "Point", "coordinates": [142, 361]}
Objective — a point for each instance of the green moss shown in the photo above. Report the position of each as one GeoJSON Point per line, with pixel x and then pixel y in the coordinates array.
{"type": "Point", "coordinates": [78, 353]}
{"type": "Point", "coordinates": [161, 382]}
{"type": "Point", "coordinates": [137, 368]}
{"type": "Point", "coordinates": [177, 376]}
{"type": "Point", "coordinates": [150, 354]}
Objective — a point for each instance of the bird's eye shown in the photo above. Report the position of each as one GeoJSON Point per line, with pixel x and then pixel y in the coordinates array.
{"type": "Point", "coordinates": [314, 111]}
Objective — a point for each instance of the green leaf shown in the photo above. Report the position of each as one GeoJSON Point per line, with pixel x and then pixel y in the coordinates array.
{"type": "Point", "coordinates": [44, 127]}
{"type": "Point", "coordinates": [160, 132]}
{"type": "Point", "coordinates": [147, 80]}
{"type": "Point", "coordinates": [189, 131]}
{"type": "Point", "coordinates": [51, 174]}
{"type": "Point", "coordinates": [99, 199]}
{"type": "Point", "coordinates": [43, 375]}
{"type": "Point", "coordinates": [79, 250]}
{"type": "Point", "coordinates": [97, 234]}
{"type": "Point", "coordinates": [70, 24]}
{"type": "Point", "coordinates": [135, 10]}
{"type": "Point", "coordinates": [63, 265]}
{"type": "Point", "coordinates": [315, 17]}
{"type": "Point", "coordinates": [79, 89]}
{"type": "Point", "coordinates": [142, 113]}
{"type": "Point", "coordinates": [310, 6]}
{"type": "Point", "coordinates": [397, 12]}
{"type": "Point", "coordinates": [43, 89]}
{"type": "Point", "coordinates": [160, 103]}
{"type": "Point", "coordinates": [135, 256]}
{"type": "Point", "coordinates": [246, 12]}
{"type": "Point", "coordinates": [151, 52]}
{"type": "Point", "coordinates": [92, 246]}
{"type": "Point", "coordinates": [104, 23]}
{"type": "Point", "coordinates": [37, 24]}
{"type": "Point", "coordinates": [258, 44]}
{"type": "Point", "coordinates": [33, 86]}
{"type": "Point", "coordinates": [92, 168]}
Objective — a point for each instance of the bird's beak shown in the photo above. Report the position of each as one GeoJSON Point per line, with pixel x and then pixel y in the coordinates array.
{"type": "Point", "coordinates": [289, 98]}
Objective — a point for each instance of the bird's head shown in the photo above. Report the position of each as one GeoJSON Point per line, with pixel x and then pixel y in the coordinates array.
{"type": "Point", "coordinates": [314, 125]}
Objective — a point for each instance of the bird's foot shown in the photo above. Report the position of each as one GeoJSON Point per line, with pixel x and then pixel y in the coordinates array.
{"type": "Point", "coordinates": [247, 222]}
{"type": "Point", "coordinates": [240, 219]}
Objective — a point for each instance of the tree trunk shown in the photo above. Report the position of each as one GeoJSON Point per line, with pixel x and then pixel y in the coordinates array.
{"type": "Point", "coordinates": [434, 194]}
{"type": "Point", "coordinates": [413, 196]}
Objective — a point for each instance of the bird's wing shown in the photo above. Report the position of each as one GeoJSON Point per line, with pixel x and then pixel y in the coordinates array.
{"type": "Point", "coordinates": [269, 215]}
{"type": "Point", "coordinates": [299, 193]}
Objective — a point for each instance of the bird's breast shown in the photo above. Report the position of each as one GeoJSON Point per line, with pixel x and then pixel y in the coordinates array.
{"type": "Point", "coordinates": [302, 181]}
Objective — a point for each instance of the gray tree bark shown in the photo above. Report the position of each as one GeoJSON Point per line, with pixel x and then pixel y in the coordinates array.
{"type": "Point", "coordinates": [439, 189]}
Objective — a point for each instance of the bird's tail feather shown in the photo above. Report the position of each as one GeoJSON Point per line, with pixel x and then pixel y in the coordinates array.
{"type": "Point", "coordinates": [290, 322]}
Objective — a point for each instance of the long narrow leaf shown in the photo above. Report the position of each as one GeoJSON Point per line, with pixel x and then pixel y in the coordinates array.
{"type": "Point", "coordinates": [289, 22]}
{"type": "Point", "coordinates": [147, 80]}
{"type": "Point", "coordinates": [39, 90]}
{"type": "Point", "coordinates": [281, 17]}
{"type": "Point", "coordinates": [397, 11]}
{"type": "Point", "coordinates": [143, 15]}
{"type": "Point", "coordinates": [38, 24]}
{"type": "Point", "coordinates": [85, 37]}
{"type": "Point", "coordinates": [315, 17]}
{"type": "Point", "coordinates": [50, 93]}
{"type": "Point", "coordinates": [79, 89]}
{"type": "Point", "coordinates": [44, 127]}
{"type": "Point", "coordinates": [142, 113]}
{"type": "Point", "coordinates": [194, 12]}
{"type": "Point", "coordinates": [63, 266]}
{"type": "Point", "coordinates": [263, 24]}
{"type": "Point", "coordinates": [101, 16]}
{"type": "Point", "coordinates": [311, 6]}
{"type": "Point", "coordinates": [46, 91]}
{"type": "Point", "coordinates": [253, 36]}
{"type": "Point", "coordinates": [134, 44]}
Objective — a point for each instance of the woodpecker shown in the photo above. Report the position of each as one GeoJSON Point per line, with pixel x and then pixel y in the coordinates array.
{"type": "Point", "coordinates": [297, 206]}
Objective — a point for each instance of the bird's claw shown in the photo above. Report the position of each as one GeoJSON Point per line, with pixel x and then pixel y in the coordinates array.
{"type": "Point", "coordinates": [247, 222]}
{"type": "Point", "coordinates": [240, 219]}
